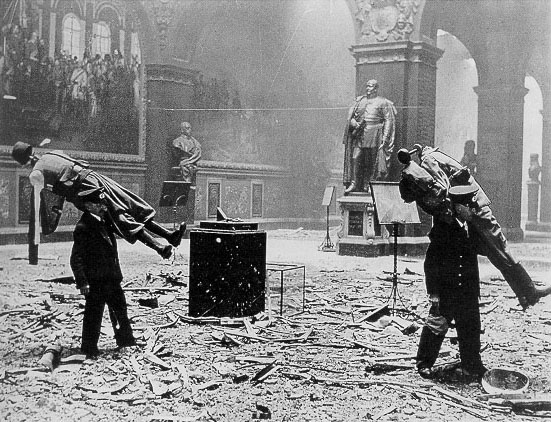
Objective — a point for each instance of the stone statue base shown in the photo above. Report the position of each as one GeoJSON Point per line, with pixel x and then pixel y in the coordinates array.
{"type": "Point", "coordinates": [360, 233]}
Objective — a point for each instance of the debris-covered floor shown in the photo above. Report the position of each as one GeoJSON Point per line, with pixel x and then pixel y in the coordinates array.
{"type": "Point", "coordinates": [334, 361]}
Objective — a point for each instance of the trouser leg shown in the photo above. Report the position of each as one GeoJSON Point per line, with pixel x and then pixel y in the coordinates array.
{"type": "Point", "coordinates": [429, 347]}
{"type": "Point", "coordinates": [497, 252]}
{"type": "Point", "coordinates": [118, 313]}
{"type": "Point", "coordinates": [467, 324]}
{"type": "Point", "coordinates": [174, 237]}
{"type": "Point", "coordinates": [91, 324]}
{"type": "Point", "coordinates": [430, 343]}
{"type": "Point", "coordinates": [164, 250]}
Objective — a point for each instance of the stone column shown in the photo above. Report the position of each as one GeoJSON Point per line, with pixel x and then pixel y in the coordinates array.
{"type": "Point", "coordinates": [545, 200]}
{"type": "Point", "coordinates": [500, 132]}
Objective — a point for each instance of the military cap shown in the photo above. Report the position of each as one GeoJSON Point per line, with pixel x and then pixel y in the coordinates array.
{"type": "Point", "coordinates": [94, 195]}
{"type": "Point", "coordinates": [462, 194]}
{"type": "Point", "coordinates": [22, 152]}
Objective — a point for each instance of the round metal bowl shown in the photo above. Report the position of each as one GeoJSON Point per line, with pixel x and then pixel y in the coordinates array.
{"type": "Point", "coordinates": [504, 381]}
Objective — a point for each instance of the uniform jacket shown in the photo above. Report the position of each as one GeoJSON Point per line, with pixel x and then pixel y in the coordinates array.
{"type": "Point", "coordinates": [94, 259]}
{"type": "Point", "coordinates": [451, 262]}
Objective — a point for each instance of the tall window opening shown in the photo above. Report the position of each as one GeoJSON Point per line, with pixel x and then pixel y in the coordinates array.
{"type": "Point", "coordinates": [71, 35]}
{"type": "Point", "coordinates": [102, 39]}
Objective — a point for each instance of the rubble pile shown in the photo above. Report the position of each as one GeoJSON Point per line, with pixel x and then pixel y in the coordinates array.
{"type": "Point", "coordinates": [349, 355]}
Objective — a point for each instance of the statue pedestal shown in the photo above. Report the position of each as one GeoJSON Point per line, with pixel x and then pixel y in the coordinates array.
{"type": "Point", "coordinates": [360, 233]}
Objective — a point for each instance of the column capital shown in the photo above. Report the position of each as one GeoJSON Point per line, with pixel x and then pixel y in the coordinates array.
{"type": "Point", "coordinates": [492, 92]}
{"type": "Point", "coordinates": [396, 52]}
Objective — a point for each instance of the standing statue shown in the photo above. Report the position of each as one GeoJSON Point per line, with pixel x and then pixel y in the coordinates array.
{"type": "Point", "coordinates": [470, 159]}
{"type": "Point", "coordinates": [186, 152]}
{"type": "Point", "coordinates": [368, 139]}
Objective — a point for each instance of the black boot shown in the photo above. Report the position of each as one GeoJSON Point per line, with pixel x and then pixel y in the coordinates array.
{"type": "Point", "coordinates": [521, 283]}
{"type": "Point", "coordinates": [164, 250]}
{"type": "Point", "coordinates": [543, 291]}
{"type": "Point", "coordinates": [174, 237]}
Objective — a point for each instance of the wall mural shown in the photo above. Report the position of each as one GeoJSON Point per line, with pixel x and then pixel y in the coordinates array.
{"type": "Point", "coordinates": [79, 85]}
{"type": "Point", "coordinates": [231, 130]}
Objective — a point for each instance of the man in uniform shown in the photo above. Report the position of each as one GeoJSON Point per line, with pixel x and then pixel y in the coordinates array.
{"type": "Point", "coordinates": [453, 285]}
{"type": "Point", "coordinates": [95, 265]}
{"type": "Point", "coordinates": [66, 177]}
{"type": "Point", "coordinates": [368, 139]}
{"type": "Point", "coordinates": [186, 152]}
{"type": "Point", "coordinates": [428, 184]}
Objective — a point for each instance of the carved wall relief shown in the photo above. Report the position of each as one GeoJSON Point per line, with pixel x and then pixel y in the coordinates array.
{"type": "Point", "coordinates": [386, 20]}
{"type": "Point", "coordinates": [163, 10]}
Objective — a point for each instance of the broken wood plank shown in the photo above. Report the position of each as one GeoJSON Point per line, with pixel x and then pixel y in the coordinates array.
{"type": "Point", "coordinates": [159, 326]}
{"type": "Point", "coordinates": [540, 403]}
{"type": "Point", "coordinates": [453, 404]}
{"type": "Point", "coordinates": [243, 334]}
{"type": "Point", "coordinates": [265, 372]}
{"type": "Point", "coordinates": [156, 360]}
{"type": "Point", "coordinates": [16, 311]}
{"type": "Point", "coordinates": [486, 310]}
{"type": "Point", "coordinates": [461, 399]}
{"type": "Point", "coordinates": [151, 288]}
{"type": "Point", "coordinates": [372, 381]}
{"type": "Point", "coordinates": [376, 314]}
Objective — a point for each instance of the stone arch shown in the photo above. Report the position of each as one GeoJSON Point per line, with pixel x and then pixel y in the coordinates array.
{"type": "Point", "coordinates": [456, 111]}
{"type": "Point", "coordinates": [106, 7]}
{"type": "Point", "coordinates": [67, 6]}
{"type": "Point", "coordinates": [139, 16]}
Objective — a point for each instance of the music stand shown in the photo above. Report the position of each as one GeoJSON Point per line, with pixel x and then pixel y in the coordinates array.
{"type": "Point", "coordinates": [174, 193]}
{"type": "Point", "coordinates": [392, 210]}
{"type": "Point", "coordinates": [327, 245]}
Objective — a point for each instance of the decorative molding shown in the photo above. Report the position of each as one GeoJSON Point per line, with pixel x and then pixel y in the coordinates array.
{"type": "Point", "coordinates": [396, 52]}
{"type": "Point", "coordinates": [385, 20]}
{"type": "Point", "coordinates": [242, 169]}
{"type": "Point", "coordinates": [163, 13]}
{"type": "Point", "coordinates": [170, 73]}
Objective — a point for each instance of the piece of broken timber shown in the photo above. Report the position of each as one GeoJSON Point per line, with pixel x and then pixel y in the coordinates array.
{"type": "Point", "coordinates": [372, 381]}
{"type": "Point", "coordinates": [338, 310]}
{"type": "Point", "coordinates": [506, 396]}
{"type": "Point", "coordinates": [300, 339]}
{"type": "Point", "coordinates": [157, 361]}
{"type": "Point", "coordinates": [265, 372]}
{"type": "Point", "coordinates": [490, 308]}
{"type": "Point", "coordinates": [539, 403]}
{"type": "Point", "coordinates": [156, 327]}
{"type": "Point", "coordinates": [266, 360]}
{"type": "Point", "coordinates": [364, 345]}
{"type": "Point", "coordinates": [16, 311]}
{"type": "Point", "coordinates": [231, 339]}
{"type": "Point", "coordinates": [20, 371]}
{"type": "Point", "coordinates": [461, 399]}
{"type": "Point", "coordinates": [237, 333]}
{"type": "Point", "coordinates": [198, 320]}
{"type": "Point", "coordinates": [453, 404]}
{"type": "Point", "coordinates": [249, 327]}
{"type": "Point", "coordinates": [151, 288]}
{"type": "Point", "coordinates": [376, 314]}
{"type": "Point", "coordinates": [394, 357]}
